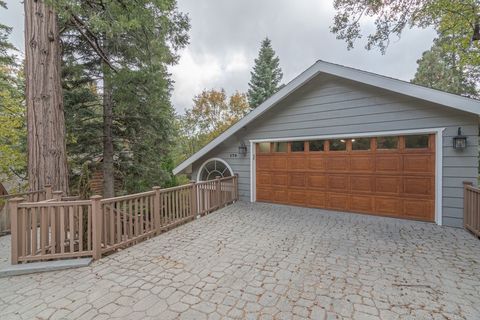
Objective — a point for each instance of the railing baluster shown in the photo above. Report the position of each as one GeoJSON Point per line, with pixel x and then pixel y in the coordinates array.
{"type": "Point", "coordinates": [89, 228]}
{"type": "Point", "coordinates": [71, 229]}
{"type": "Point", "coordinates": [34, 230]}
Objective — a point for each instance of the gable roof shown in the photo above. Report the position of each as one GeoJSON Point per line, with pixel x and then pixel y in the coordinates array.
{"type": "Point", "coordinates": [406, 88]}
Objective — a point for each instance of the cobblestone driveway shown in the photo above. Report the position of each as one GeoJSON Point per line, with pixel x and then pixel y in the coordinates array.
{"type": "Point", "coordinates": [264, 261]}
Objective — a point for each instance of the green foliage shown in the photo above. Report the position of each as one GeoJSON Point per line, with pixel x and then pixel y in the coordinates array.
{"type": "Point", "coordinates": [128, 44]}
{"type": "Point", "coordinates": [440, 68]}
{"type": "Point", "coordinates": [266, 75]}
{"type": "Point", "coordinates": [12, 111]}
{"type": "Point", "coordinates": [392, 17]}
{"type": "Point", "coordinates": [212, 113]}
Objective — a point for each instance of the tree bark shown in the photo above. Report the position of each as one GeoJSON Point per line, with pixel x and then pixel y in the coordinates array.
{"type": "Point", "coordinates": [108, 170]}
{"type": "Point", "coordinates": [47, 159]}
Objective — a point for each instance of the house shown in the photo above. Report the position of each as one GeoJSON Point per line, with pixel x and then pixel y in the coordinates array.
{"type": "Point", "coordinates": [344, 139]}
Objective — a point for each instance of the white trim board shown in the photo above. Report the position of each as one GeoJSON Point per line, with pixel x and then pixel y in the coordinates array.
{"type": "Point", "coordinates": [439, 97]}
{"type": "Point", "coordinates": [438, 158]}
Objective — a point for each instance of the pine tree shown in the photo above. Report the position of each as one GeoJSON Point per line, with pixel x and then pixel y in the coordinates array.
{"type": "Point", "coordinates": [440, 68]}
{"type": "Point", "coordinates": [116, 62]}
{"type": "Point", "coordinates": [13, 153]}
{"type": "Point", "coordinates": [266, 75]}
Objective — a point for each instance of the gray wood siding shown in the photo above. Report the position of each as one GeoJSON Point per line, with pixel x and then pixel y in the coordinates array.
{"type": "Point", "coordinates": [329, 105]}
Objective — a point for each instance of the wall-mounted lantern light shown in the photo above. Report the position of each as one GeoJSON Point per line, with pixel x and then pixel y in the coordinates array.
{"type": "Point", "coordinates": [242, 149]}
{"type": "Point", "coordinates": [460, 141]}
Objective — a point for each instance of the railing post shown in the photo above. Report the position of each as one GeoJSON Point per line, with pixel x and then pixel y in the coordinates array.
{"type": "Point", "coordinates": [218, 192]}
{"type": "Point", "coordinates": [96, 227]}
{"type": "Point", "coordinates": [48, 192]}
{"type": "Point", "coordinates": [57, 195]}
{"type": "Point", "coordinates": [14, 228]}
{"type": "Point", "coordinates": [193, 199]}
{"type": "Point", "coordinates": [157, 209]}
{"type": "Point", "coordinates": [55, 223]}
{"type": "Point", "coordinates": [466, 216]}
{"type": "Point", "coordinates": [235, 186]}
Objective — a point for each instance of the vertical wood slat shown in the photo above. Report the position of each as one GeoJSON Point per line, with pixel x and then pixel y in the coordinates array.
{"type": "Point", "coordinates": [96, 227]}
{"type": "Point", "coordinates": [141, 211]}
{"type": "Point", "coordinates": [125, 215]}
{"type": "Point", "coordinates": [34, 231]}
{"type": "Point", "coordinates": [53, 231]}
{"type": "Point", "coordinates": [62, 229]}
{"type": "Point", "coordinates": [71, 229]}
{"type": "Point", "coordinates": [80, 228]}
{"type": "Point", "coordinates": [118, 231]}
{"type": "Point", "coordinates": [89, 228]}
{"type": "Point", "coordinates": [43, 230]}
{"type": "Point", "coordinates": [28, 231]}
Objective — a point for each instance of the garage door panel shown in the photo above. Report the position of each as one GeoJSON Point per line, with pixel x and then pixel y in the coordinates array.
{"type": "Point", "coordinates": [264, 194]}
{"type": "Point", "coordinates": [317, 181]}
{"type": "Point", "coordinates": [337, 163]}
{"type": "Point", "coordinates": [337, 183]}
{"type": "Point", "coordinates": [263, 163]}
{"type": "Point", "coordinates": [418, 186]}
{"type": "Point", "coordinates": [388, 163]}
{"type": "Point", "coordinates": [280, 195]}
{"type": "Point", "coordinates": [388, 205]}
{"type": "Point", "coordinates": [316, 162]}
{"type": "Point", "coordinates": [361, 203]}
{"type": "Point", "coordinates": [279, 163]}
{"type": "Point", "coordinates": [264, 178]}
{"type": "Point", "coordinates": [362, 163]}
{"type": "Point", "coordinates": [297, 163]}
{"type": "Point", "coordinates": [419, 209]}
{"type": "Point", "coordinates": [279, 180]}
{"type": "Point", "coordinates": [362, 183]}
{"type": "Point", "coordinates": [296, 197]}
{"type": "Point", "coordinates": [417, 163]}
{"type": "Point", "coordinates": [296, 180]}
{"type": "Point", "coordinates": [388, 185]}
{"type": "Point", "coordinates": [337, 201]}
{"type": "Point", "coordinates": [316, 199]}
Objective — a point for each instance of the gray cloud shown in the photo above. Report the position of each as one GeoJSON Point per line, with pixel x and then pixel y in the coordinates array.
{"type": "Point", "coordinates": [226, 34]}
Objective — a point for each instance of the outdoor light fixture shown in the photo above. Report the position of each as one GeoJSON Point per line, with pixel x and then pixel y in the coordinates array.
{"type": "Point", "coordinates": [242, 149]}
{"type": "Point", "coordinates": [460, 141]}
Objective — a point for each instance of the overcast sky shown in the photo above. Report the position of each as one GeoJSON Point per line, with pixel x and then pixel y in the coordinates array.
{"type": "Point", "coordinates": [225, 38]}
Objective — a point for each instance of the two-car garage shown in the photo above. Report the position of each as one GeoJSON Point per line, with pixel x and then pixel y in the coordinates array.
{"type": "Point", "coordinates": [380, 175]}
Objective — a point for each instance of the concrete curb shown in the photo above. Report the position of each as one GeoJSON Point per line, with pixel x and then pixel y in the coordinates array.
{"type": "Point", "coordinates": [36, 267]}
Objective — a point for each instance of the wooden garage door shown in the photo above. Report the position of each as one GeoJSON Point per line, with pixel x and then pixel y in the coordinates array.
{"type": "Point", "coordinates": [388, 176]}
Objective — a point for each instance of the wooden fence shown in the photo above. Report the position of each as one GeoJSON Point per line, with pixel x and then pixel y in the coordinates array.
{"type": "Point", "coordinates": [30, 196]}
{"type": "Point", "coordinates": [56, 228]}
{"type": "Point", "coordinates": [471, 208]}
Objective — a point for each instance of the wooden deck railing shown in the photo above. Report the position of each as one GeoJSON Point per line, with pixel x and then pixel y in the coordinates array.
{"type": "Point", "coordinates": [30, 196]}
{"type": "Point", "coordinates": [55, 228]}
{"type": "Point", "coordinates": [471, 208]}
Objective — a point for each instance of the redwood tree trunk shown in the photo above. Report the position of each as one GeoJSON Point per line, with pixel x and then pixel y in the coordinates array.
{"type": "Point", "coordinates": [108, 170]}
{"type": "Point", "coordinates": [47, 159]}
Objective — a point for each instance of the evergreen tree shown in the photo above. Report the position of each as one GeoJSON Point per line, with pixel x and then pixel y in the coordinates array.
{"type": "Point", "coordinates": [116, 59]}
{"type": "Point", "coordinates": [440, 68]}
{"type": "Point", "coordinates": [13, 154]}
{"type": "Point", "coordinates": [266, 75]}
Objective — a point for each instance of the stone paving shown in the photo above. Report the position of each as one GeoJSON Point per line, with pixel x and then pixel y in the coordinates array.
{"type": "Point", "coordinates": [260, 261]}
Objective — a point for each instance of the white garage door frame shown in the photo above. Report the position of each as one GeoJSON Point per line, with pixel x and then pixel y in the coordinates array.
{"type": "Point", "coordinates": [438, 157]}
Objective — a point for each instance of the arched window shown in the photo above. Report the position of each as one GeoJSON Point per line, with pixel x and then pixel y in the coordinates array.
{"type": "Point", "coordinates": [212, 168]}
